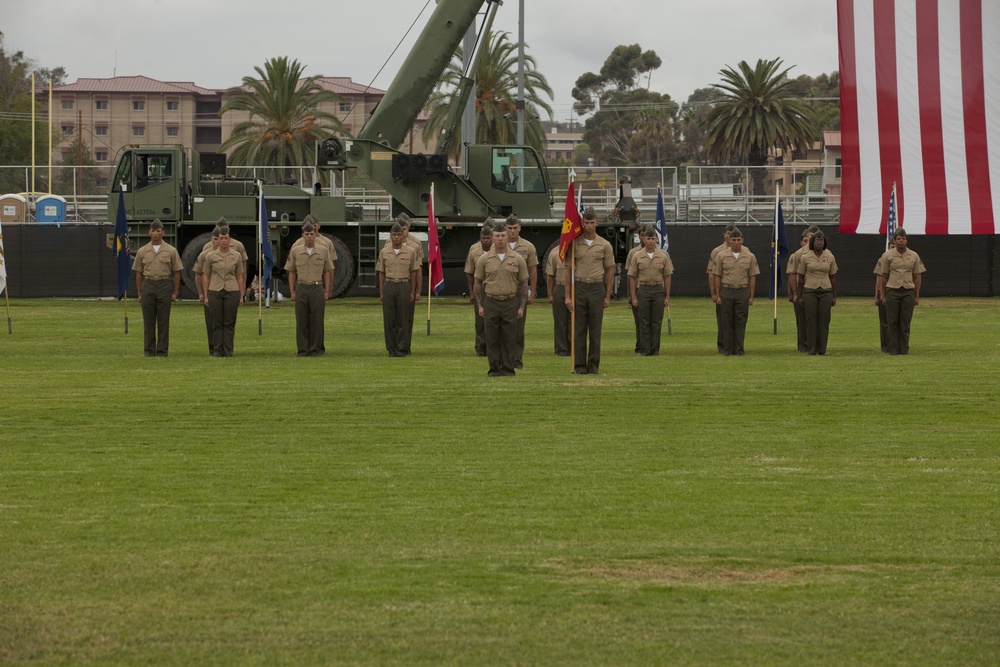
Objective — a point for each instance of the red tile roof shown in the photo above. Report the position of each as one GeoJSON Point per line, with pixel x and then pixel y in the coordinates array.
{"type": "Point", "coordinates": [133, 84]}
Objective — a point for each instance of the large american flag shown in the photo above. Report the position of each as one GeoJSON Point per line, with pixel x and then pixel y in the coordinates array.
{"type": "Point", "coordinates": [920, 107]}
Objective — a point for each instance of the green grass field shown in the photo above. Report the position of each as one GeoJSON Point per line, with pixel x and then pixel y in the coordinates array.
{"type": "Point", "coordinates": [688, 509]}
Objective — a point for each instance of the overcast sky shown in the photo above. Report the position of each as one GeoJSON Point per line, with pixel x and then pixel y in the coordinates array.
{"type": "Point", "coordinates": [215, 43]}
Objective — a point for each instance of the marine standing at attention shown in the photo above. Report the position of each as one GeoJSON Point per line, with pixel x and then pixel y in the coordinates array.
{"type": "Point", "coordinates": [199, 271]}
{"type": "Point", "coordinates": [526, 249]}
{"type": "Point", "coordinates": [649, 290]}
{"type": "Point", "coordinates": [224, 285]}
{"type": "Point", "coordinates": [397, 270]}
{"type": "Point", "coordinates": [502, 293]}
{"type": "Point", "coordinates": [477, 250]}
{"type": "Point", "coordinates": [310, 279]}
{"type": "Point", "coordinates": [555, 282]}
{"type": "Point", "coordinates": [900, 277]}
{"type": "Point", "coordinates": [817, 291]}
{"type": "Point", "coordinates": [712, 289]}
{"type": "Point", "coordinates": [157, 269]}
{"type": "Point", "coordinates": [736, 274]}
{"type": "Point", "coordinates": [593, 282]}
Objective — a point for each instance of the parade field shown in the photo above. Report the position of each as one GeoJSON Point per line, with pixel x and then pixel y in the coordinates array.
{"type": "Point", "coordinates": [355, 509]}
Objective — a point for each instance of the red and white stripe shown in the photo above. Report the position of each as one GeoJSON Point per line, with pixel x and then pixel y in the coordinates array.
{"type": "Point", "coordinates": [920, 106]}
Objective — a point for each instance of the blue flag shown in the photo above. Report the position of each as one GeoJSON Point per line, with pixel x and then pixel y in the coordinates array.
{"type": "Point", "coordinates": [661, 221]}
{"type": "Point", "coordinates": [265, 243]}
{"type": "Point", "coordinates": [779, 250]}
{"type": "Point", "coordinates": [123, 254]}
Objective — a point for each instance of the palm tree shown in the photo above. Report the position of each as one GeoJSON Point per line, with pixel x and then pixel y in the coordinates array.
{"type": "Point", "coordinates": [495, 95]}
{"type": "Point", "coordinates": [283, 124]}
{"type": "Point", "coordinates": [756, 114]}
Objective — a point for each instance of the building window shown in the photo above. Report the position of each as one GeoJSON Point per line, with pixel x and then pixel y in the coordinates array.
{"type": "Point", "coordinates": [208, 135]}
{"type": "Point", "coordinates": [173, 131]}
{"type": "Point", "coordinates": [67, 104]}
{"type": "Point", "coordinates": [65, 156]}
{"type": "Point", "coordinates": [345, 107]}
{"type": "Point", "coordinates": [173, 105]}
{"type": "Point", "coordinates": [138, 131]}
{"type": "Point", "coordinates": [67, 129]}
{"type": "Point", "coordinates": [837, 170]}
{"type": "Point", "coordinates": [101, 105]}
{"type": "Point", "coordinates": [100, 156]}
{"type": "Point", "coordinates": [101, 130]}
{"type": "Point", "coordinates": [138, 105]}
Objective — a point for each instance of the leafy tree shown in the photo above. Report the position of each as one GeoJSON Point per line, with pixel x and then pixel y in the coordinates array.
{"type": "Point", "coordinates": [284, 125]}
{"type": "Point", "coordinates": [495, 96]}
{"type": "Point", "coordinates": [15, 117]}
{"type": "Point", "coordinates": [582, 154]}
{"type": "Point", "coordinates": [691, 144]}
{"type": "Point", "coordinates": [628, 124]}
{"type": "Point", "coordinates": [826, 87]}
{"type": "Point", "coordinates": [756, 114]}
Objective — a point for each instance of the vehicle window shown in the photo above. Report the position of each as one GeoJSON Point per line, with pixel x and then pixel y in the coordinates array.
{"type": "Point", "coordinates": [517, 170]}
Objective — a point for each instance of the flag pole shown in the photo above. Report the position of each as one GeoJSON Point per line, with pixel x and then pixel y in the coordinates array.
{"type": "Point", "coordinates": [6, 296]}
{"type": "Point", "coordinates": [775, 257]}
{"type": "Point", "coordinates": [260, 263]}
{"type": "Point", "coordinates": [430, 270]}
{"type": "Point", "coordinates": [572, 312]}
{"type": "Point", "coordinates": [125, 303]}
{"type": "Point", "coordinates": [669, 332]}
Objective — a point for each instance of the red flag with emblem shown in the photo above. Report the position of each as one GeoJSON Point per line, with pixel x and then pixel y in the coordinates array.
{"type": "Point", "coordinates": [571, 223]}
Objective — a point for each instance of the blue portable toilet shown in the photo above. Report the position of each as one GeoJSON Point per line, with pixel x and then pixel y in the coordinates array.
{"type": "Point", "coordinates": [50, 209]}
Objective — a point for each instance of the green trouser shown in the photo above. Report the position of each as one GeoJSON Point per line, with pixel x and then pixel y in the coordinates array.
{"type": "Point", "coordinates": [480, 331]}
{"type": "Point", "coordinates": [501, 319]}
{"type": "Point", "coordinates": [395, 307]}
{"type": "Point", "coordinates": [224, 305]}
{"type": "Point", "coordinates": [818, 304]}
{"type": "Point", "coordinates": [310, 307]}
{"type": "Point", "coordinates": [735, 311]}
{"type": "Point", "coordinates": [800, 327]}
{"type": "Point", "coordinates": [650, 310]}
{"type": "Point", "coordinates": [560, 321]}
{"type": "Point", "coordinates": [899, 304]}
{"type": "Point", "coordinates": [156, 315]}
{"type": "Point", "coordinates": [589, 308]}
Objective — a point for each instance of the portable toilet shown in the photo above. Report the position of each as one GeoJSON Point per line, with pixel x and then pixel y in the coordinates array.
{"type": "Point", "coordinates": [50, 209]}
{"type": "Point", "coordinates": [12, 208]}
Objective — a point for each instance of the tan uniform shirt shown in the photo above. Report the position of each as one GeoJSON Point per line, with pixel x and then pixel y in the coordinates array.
{"type": "Point", "coordinates": [899, 268]}
{"type": "Point", "coordinates": [648, 270]}
{"type": "Point", "coordinates": [817, 270]}
{"type": "Point", "coordinates": [157, 265]}
{"type": "Point", "coordinates": [526, 249]}
{"type": "Point", "coordinates": [320, 241]}
{"type": "Point", "coordinates": [556, 267]}
{"type": "Point", "coordinates": [475, 252]}
{"type": "Point", "coordinates": [794, 259]}
{"type": "Point", "coordinates": [736, 270]}
{"type": "Point", "coordinates": [592, 260]}
{"type": "Point", "coordinates": [397, 266]}
{"type": "Point", "coordinates": [501, 277]}
{"type": "Point", "coordinates": [412, 242]}
{"type": "Point", "coordinates": [631, 258]}
{"type": "Point", "coordinates": [711, 257]}
{"type": "Point", "coordinates": [233, 245]}
{"type": "Point", "coordinates": [222, 269]}
{"type": "Point", "coordinates": [308, 268]}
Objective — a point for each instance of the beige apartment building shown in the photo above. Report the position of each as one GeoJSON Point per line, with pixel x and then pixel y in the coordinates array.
{"type": "Point", "coordinates": [125, 110]}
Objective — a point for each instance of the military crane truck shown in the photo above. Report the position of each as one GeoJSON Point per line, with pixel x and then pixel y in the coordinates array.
{"type": "Point", "coordinates": [188, 191]}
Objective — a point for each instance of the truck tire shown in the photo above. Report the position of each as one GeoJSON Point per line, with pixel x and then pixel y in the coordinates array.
{"type": "Point", "coordinates": [188, 258]}
{"type": "Point", "coordinates": [344, 272]}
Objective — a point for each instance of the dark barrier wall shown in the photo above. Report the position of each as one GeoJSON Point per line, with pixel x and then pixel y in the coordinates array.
{"type": "Point", "coordinates": [76, 261]}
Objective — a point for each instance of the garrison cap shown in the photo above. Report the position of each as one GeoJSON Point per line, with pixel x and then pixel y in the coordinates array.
{"type": "Point", "coordinates": [396, 228]}
{"type": "Point", "coordinates": [403, 219]}
{"type": "Point", "coordinates": [499, 227]}
{"type": "Point", "coordinates": [156, 224]}
{"type": "Point", "coordinates": [513, 219]}
{"type": "Point", "coordinates": [647, 231]}
{"type": "Point", "coordinates": [589, 213]}
{"type": "Point", "coordinates": [487, 230]}
{"type": "Point", "coordinates": [735, 233]}
{"type": "Point", "coordinates": [310, 218]}
{"type": "Point", "coordinates": [813, 228]}
{"type": "Point", "coordinates": [899, 232]}
{"type": "Point", "coordinates": [807, 232]}
{"type": "Point", "coordinates": [222, 222]}
{"type": "Point", "coordinates": [308, 225]}
{"type": "Point", "coordinates": [731, 226]}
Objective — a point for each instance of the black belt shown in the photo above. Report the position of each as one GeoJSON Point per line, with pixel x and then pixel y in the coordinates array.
{"type": "Point", "coordinates": [733, 286]}
{"type": "Point", "coordinates": [589, 282]}
{"type": "Point", "coordinates": [496, 297]}
{"type": "Point", "coordinates": [397, 280]}
{"type": "Point", "coordinates": [653, 283]}
{"type": "Point", "coordinates": [306, 282]}
{"type": "Point", "coordinates": [157, 279]}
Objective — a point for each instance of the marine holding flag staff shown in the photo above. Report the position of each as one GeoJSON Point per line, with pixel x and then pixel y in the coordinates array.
{"type": "Point", "coordinates": [589, 283]}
